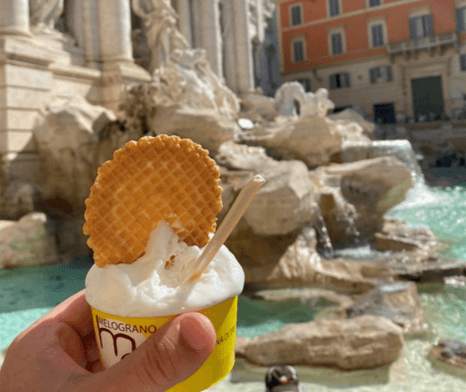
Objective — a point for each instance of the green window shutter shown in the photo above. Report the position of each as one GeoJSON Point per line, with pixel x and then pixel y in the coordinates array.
{"type": "Point", "coordinates": [412, 28]}
{"type": "Point", "coordinates": [459, 14]}
{"type": "Point", "coordinates": [428, 25]}
{"type": "Point", "coordinates": [334, 44]}
{"type": "Point", "coordinates": [298, 51]}
{"type": "Point", "coordinates": [334, 7]}
{"type": "Point", "coordinates": [337, 44]}
{"type": "Point", "coordinates": [333, 82]}
{"type": "Point", "coordinates": [389, 73]}
{"type": "Point", "coordinates": [463, 62]}
{"type": "Point", "coordinates": [296, 15]}
{"type": "Point", "coordinates": [377, 35]}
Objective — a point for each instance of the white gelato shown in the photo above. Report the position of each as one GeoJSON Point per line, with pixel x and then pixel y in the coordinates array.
{"type": "Point", "coordinates": [146, 288]}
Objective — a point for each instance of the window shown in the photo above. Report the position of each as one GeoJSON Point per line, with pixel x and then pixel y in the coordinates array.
{"type": "Point", "coordinates": [421, 26]}
{"type": "Point", "coordinates": [339, 80]}
{"type": "Point", "coordinates": [463, 62]}
{"type": "Point", "coordinates": [298, 50]}
{"type": "Point", "coordinates": [374, 3]}
{"type": "Point", "coordinates": [337, 43]}
{"type": "Point", "coordinates": [377, 35]}
{"type": "Point", "coordinates": [306, 83]}
{"type": "Point", "coordinates": [334, 7]}
{"type": "Point", "coordinates": [460, 14]}
{"type": "Point", "coordinates": [296, 15]}
{"type": "Point", "coordinates": [381, 73]}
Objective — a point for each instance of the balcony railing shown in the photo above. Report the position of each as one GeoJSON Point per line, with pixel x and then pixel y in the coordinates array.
{"type": "Point", "coordinates": [409, 46]}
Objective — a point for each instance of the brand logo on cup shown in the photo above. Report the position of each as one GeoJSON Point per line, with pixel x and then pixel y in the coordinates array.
{"type": "Point", "coordinates": [125, 338]}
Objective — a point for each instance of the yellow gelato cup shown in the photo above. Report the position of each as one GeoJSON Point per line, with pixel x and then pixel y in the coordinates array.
{"type": "Point", "coordinates": [118, 336]}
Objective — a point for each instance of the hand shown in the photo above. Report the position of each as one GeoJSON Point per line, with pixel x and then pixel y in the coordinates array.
{"type": "Point", "coordinates": [59, 353]}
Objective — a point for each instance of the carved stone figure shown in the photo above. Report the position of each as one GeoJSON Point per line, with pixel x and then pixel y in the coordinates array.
{"type": "Point", "coordinates": [162, 34]}
{"type": "Point", "coordinates": [292, 94]}
{"type": "Point", "coordinates": [45, 13]}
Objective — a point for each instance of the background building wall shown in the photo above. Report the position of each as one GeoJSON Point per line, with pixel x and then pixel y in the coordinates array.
{"type": "Point", "coordinates": [359, 57]}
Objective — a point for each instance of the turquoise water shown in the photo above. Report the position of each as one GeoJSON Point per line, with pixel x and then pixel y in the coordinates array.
{"type": "Point", "coordinates": [444, 309]}
{"type": "Point", "coordinates": [27, 293]}
{"type": "Point", "coordinates": [259, 317]}
{"type": "Point", "coordinates": [443, 210]}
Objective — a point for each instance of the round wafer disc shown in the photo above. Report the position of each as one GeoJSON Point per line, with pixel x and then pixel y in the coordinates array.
{"type": "Point", "coordinates": [153, 179]}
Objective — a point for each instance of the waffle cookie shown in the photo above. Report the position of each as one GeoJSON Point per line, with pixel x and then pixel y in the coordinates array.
{"type": "Point", "coordinates": [153, 179]}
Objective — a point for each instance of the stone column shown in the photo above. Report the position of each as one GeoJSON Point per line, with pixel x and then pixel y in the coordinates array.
{"type": "Point", "coordinates": [196, 31]}
{"type": "Point", "coordinates": [91, 34]}
{"type": "Point", "coordinates": [184, 11]}
{"type": "Point", "coordinates": [229, 61]}
{"type": "Point", "coordinates": [115, 31]}
{"type": "Point", "coordinates": [211, 37]}
{"type": "Point", "coordinates": [243, 46]}
{"type": "Point", "coordinates": [14, 17]}
{"type": "Point", "coordinates": [260, 20]}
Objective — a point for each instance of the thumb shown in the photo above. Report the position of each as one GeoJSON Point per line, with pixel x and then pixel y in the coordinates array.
{"type": "Point", "coordinates": [168, 357]}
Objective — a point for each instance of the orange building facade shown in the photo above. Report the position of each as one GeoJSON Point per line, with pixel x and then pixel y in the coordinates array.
{"type": "Point", "coordinates": [394, 58]}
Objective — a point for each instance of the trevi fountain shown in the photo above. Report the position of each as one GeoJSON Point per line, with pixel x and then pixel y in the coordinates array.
{"type": "Point", "coordinates": [354, 271]}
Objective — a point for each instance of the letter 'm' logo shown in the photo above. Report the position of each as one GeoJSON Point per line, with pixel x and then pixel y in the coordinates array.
{"type": "Point", "coordinates": [114, 337]}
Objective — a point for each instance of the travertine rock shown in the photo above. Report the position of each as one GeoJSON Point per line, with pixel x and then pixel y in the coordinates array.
{"type": "Point", "coordinates": [292, 260]}
{"type": "Point", "coordinates": [349, 131]}
{"type": "Point", "coordinates": [395, 244]}
{"type": "Point", "coordinates": [29, 241]}
{"type": "Point", "coordinates": [373, 186]}
{"type": "Point", "coordinates": [301, 265]}
{"type": "Point", "coordinates": [257, 107]}
{"type": "Point", "coordinates": [284, 203]}
{"type": "Point", "coordinates": [432, 271]}
{"type": "Point", "coordinates": [311, 139]}
{"type": "Point", "coordinates": [351, 116]}
{"type": "Point", "coordinates": [204, 127]}
{"type": "Point", "coordinates": [19, 198]}
{"type": "Point", "coordinates": [339, 215]}
{"type": "Point", "coordinates": [67, 135]}
{"type": "Point", "coordinates": [452, 352]}
{"type": "Point", "coordinates": [186, 98]}
{"type": "Point", "coordinates": [364, 342]}
{"type": "Point", "coordinates": [398, 302]}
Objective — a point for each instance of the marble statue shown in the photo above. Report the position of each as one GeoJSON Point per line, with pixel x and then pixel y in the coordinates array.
{"type": "Point", "coordinates": [161, 31]}
{"type": "Point", "coordinates": [292, 94]}
{"type": "Point", "coordinates": [44, 14]}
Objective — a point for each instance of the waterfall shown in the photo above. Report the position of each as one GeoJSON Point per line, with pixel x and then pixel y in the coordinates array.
{"type": "Point", "coordinates": [419, 194]}
{"type": "Point", "coordinates": [322, 234]}
{"type": "Point", "coordinates": [402, 149]}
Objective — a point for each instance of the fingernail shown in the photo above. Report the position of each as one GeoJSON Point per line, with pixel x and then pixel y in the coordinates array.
{"type": "Point", "coordinates": [196, 331]}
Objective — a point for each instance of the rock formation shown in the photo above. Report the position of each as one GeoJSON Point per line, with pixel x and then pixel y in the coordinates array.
{"type": "Point", "coordinates": [73, 138]}
{"type": "Point", "coordinates": [29, 241]}
{"type": "Point", "coordinates": [186, 99]}
{"type": "Point", "coordinates": [19, 199]}
{"type": "Point", "coordinates": [309, 139]}
{"type": "Point", "coordinates": [364, 342]}
{"type": "Point", "coordinates": [284, 203]}
{"type": "Point", "coordinates": [451, 352]}
{"type": "Point", "coordinates": [349, 116]}
{"type": "Point", "coordinates": [398, 302]}
{"type": "Point", "coordinates": [372, 186]}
